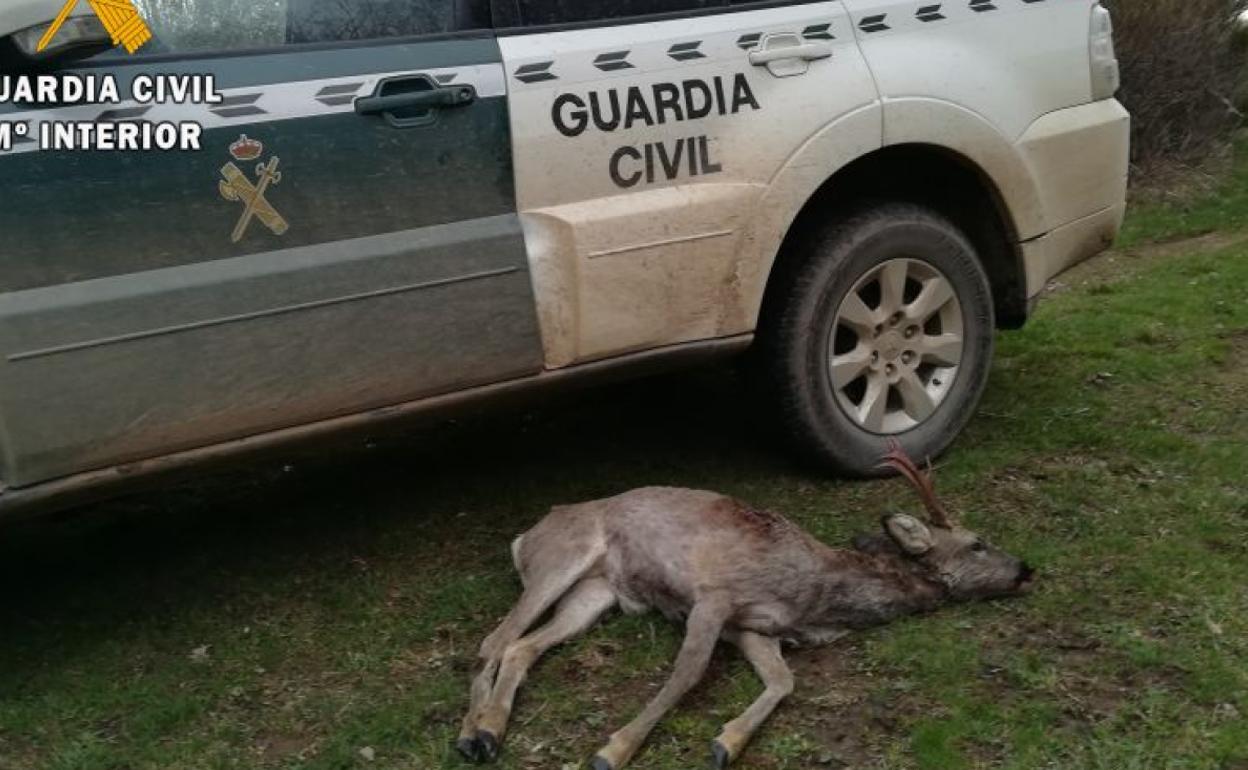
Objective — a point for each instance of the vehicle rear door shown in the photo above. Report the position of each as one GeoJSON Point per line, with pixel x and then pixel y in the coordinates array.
{"type": "Point", "coordinates": [346, 238]}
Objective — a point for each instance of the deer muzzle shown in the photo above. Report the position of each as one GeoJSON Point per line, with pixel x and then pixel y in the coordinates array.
{"type": "Point", "coordinates": [1023, 582]}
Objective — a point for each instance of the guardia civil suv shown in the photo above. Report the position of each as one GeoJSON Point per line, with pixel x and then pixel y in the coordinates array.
{"type": "Point", "coordinates": [401, 205]}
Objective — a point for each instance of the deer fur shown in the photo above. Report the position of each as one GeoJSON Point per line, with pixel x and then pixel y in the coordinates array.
{"type": "Point", "coordinates": [728, 571]}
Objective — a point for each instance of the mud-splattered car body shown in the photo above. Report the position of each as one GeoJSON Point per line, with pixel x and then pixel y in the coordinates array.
{"type": "Point", "coordinates": [498, 195]}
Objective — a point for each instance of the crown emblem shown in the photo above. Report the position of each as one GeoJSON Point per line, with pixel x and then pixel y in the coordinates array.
{"type": "Point", "coordinates": [246, 149]}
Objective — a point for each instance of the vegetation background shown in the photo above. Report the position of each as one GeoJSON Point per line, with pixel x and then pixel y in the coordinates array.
{"type": "Point", "coordinates": [1183, 79]}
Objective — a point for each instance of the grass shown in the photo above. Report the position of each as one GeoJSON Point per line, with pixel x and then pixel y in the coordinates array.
{"type": "Point", "coordinates": [1220, 206]}
{"type": "Point", "coordinates": [308, 615]}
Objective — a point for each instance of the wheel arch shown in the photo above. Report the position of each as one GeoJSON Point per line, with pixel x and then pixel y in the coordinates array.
{"type": "Point", "coordinates": [937, 177]}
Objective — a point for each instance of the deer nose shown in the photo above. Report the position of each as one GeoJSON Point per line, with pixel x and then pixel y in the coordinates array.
{"type": "Point", "coordinates": [1025, 573]}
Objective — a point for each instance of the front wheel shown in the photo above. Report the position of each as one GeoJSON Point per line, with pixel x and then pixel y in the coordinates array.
{"type": "Point", "coordinates": [882, 330]}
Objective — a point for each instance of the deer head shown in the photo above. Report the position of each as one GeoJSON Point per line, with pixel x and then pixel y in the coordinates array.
{"type": "Point", "coordinates": [946, 552]}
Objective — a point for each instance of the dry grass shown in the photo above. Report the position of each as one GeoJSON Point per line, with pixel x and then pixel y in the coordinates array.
{"type": "Point", "coordinates": [1182, 72]}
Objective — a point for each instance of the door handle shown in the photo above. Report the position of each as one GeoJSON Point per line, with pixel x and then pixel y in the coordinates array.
{"type": "Point", "coordinates": [761, 57]}
{"type": "Point", "coordinates": [433, 98]}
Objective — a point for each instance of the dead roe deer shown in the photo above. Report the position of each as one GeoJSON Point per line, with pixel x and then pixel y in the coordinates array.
{"type": "Point", "coordinates": [731, 572]}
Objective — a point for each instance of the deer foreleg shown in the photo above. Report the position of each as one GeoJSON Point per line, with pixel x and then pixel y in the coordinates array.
{"type": "Point", "coordinates": [706, 620]}
{"type": "Point", "coordinates": [763, 652]}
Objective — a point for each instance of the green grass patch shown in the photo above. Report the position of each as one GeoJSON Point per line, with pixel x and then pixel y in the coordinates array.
{"type": "Point", "coordinates": [1164, 215]}
{"type": "Point", "coordinates": [294, 619]}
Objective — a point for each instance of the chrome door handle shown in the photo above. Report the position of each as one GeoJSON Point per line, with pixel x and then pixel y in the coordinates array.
{"type": "Point", "coordinates": [761, 57]}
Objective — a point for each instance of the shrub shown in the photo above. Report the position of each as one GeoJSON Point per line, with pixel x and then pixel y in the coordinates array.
{"type": "Point", "coordinates": [1182, 68]}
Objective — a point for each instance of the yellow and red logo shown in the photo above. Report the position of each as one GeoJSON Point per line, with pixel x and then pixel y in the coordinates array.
{"type": "Point", "coordinates": [120, 17]}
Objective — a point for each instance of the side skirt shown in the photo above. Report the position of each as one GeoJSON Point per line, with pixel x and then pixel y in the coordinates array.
{"type": "Point", "coordinates": [70, 491]}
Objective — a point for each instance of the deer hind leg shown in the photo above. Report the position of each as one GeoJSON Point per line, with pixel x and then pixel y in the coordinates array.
{"type": "Point", "coordinates": [763, 652]}
{"type": "Point", "coordinates": [577, 611]}
{"type": "Point", "coordinates": [542, 589]}
{"type": "Point", "coordinates": [706, 620]}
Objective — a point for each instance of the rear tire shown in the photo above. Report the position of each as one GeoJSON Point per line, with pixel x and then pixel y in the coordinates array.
{"type": "Point", "coordinates": [880, 328]}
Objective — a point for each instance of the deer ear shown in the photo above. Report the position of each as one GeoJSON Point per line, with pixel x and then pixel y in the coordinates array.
{"type": "Point", "coordinates": [910, 534]}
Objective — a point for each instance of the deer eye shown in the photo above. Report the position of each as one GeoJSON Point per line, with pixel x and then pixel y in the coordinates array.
{"type": "Point", "coordinates": [978, 545]}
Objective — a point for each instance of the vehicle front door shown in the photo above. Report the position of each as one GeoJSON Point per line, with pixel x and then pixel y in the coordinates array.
{"type": "Point", "coordinates": [647, 132]}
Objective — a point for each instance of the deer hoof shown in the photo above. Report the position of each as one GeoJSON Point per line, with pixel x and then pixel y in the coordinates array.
{"type": "Point", "coordinates": [598, 763]}
{"type": "Point", "coordinates": [487, 744]}
{"type": "Point", "coordinates": [469, 748]}
{"type": "Point", "coordinates": [720, 757]}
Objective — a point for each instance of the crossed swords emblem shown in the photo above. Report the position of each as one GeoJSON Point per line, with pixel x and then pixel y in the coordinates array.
{"type": "Point", "coordinates": [237, 187]}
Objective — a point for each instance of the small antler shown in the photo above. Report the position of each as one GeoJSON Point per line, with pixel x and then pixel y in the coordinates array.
{"type": "Point", "coordinates": [922, 483]}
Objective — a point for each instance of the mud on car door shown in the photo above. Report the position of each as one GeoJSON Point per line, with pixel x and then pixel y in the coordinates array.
{"type": "Point", "coordinates": [346, 239]}
{"type": "Point", "coordinates": [646, 133]}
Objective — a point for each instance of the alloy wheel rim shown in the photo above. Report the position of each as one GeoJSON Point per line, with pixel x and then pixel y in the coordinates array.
{"type": "Point", "coordinates": [896, 346]}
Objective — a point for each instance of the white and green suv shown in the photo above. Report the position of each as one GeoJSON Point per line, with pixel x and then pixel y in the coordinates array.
{"type": "Point", "coordinates": [402, 205]}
